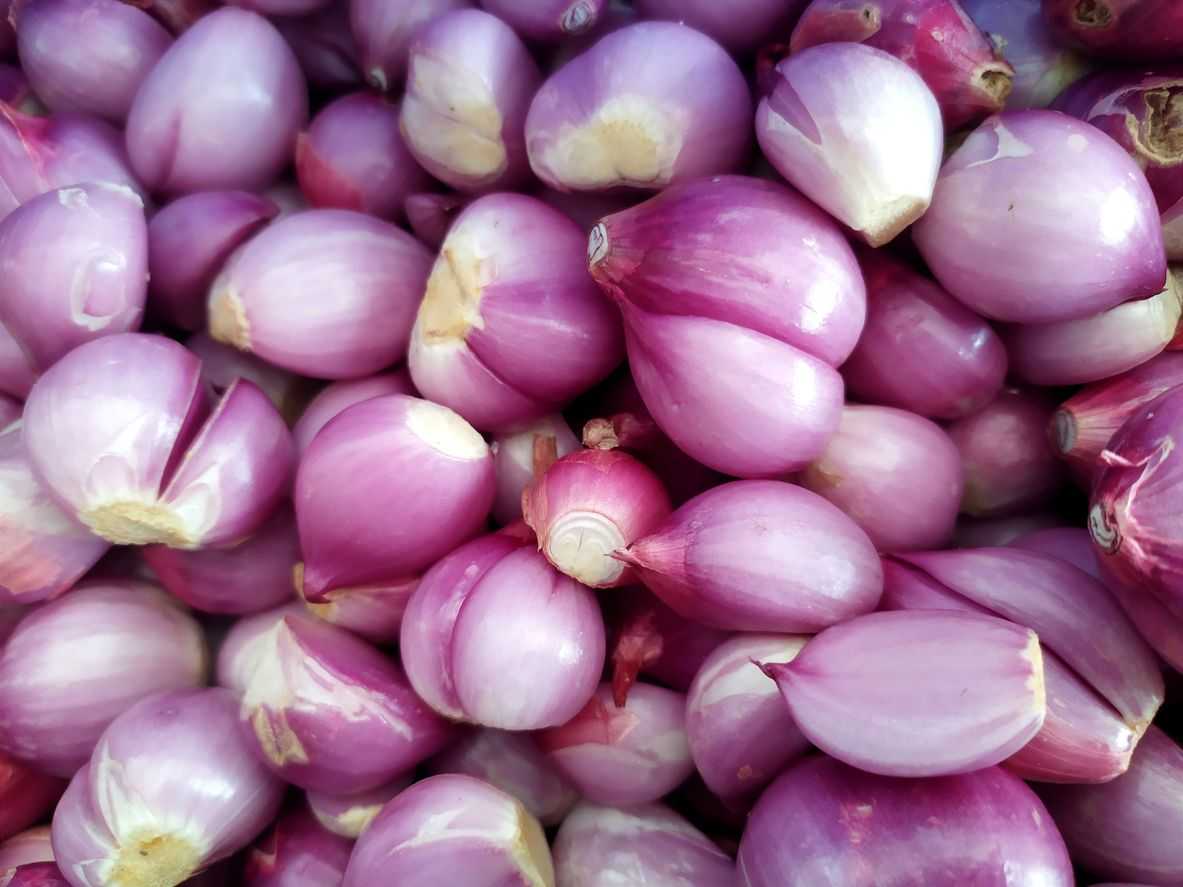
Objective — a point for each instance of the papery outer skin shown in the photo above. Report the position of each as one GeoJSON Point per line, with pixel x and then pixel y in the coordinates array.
{"type": "Point", "coordinates": [624, 755]}
{"type": "Point", "coordinates": [27, 795]}
{"type": "Point", "coordinates": [735, 400]}
{"type": "Point", "coordinates": [374, 612]}
{"type": "Point", "coordinates": [896, 474]}
{"type": "Point", "coordinates": [649, 105]}
{"type": "Point", "coordinates": [44, 550]}
{"type": "Point", "coordinates": [1086, 349]}
{"type": "Point", "coordinates": [514, 764]}
{"type": "Point", "coordinates": [170, 782]}
{"type": "Point", "coordinates": [934, 37]}
{"type": "Point", "coordinates": [1039, 217]}
{"type": "Point", "coordinates": [921, 350]}
{"type": "Point", "coordinates": [514, 461]}
{"type": "Point", "coordinates": [254, 575]}
{"type": "Point", "coordinates": [391, 448]}
{"type": "Point", "coordinates": [271, 297]}
{"type": "Point", "coordinates": [29, 846]}
{"type": "Point", "coordinates": [1135, 30]}
{"type": "Point", "coordinates": [761, 556]}
{"type": "Point", "coordinates": [74, 267]}
{"type": "Point", "coordinates": [823, 824]}
{"type": "Point", "coordinates": [740, 27]}
{"type": "Point", "coordinates": [452, 829]}
{"type": "Point", "coordinates": [353, 157]}
{"type": "Point", "coordinates": [510, 326]}
{"type": "Point", "coordinates": [189, 241]}
{"type": "Point", "coordinates": [350, 815]}
{"type": "Point", "coordinates": [1009, 463]}
{"type": "Point", "coordinates": [590, 504]}
{"type": "Point", "coordinates": [648, 846]}
{"type": "Point", "coordinates": [251, 103]}
{"type": "Point", "coordinates": [326, 711]}
{"type": "Point", "coordinates": [75, 664]}
{"type": "Point", "coordinates": [1126, 828]}
{"type": "Point", "coordinates": [875, 175]}
{"type": "Point", "coordinates": [222, 365]}
{"type": "Point", "coordinates": [383, 33]}
{"type": "Point", "coordinates": [297, 852]}
{"type": "Point", "coordinates": [16, 375]}
{"type": "Point", "coordinates": [917, 693]}
{"type": "Point", "coordinates": [335, 398]}
{"type": "Point", "coordinates": [470, 80]}
{"type": "Point", "coordinates": [430, 215]}
{"type": "Point", "coordinates": [740, 731]}
{"type": "Point", "coordinates": [741, 250]}
{"type": "Point", "coordinates": [116, 45]}
{"type": "Point", "coordinates": [548, 21]}
{"type": "Point", "coordinates": [1043, 67]}
{"type": "Point", "coordinates": [324, 46]}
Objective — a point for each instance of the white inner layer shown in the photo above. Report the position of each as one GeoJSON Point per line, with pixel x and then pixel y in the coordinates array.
{"type": "Point", "coordinates": [445, 431]}
{"type": "Point", "coordinates": [580, 544]}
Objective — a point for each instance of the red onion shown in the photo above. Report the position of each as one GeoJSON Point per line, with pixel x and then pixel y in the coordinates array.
{"type": "Point", "coordinates": [740, 731]}
{"type": "Point", "coordinates": [514, 764]}
{"type": "Point", "coordinates": [254, 575]}
{"type": "Point", "coordinates": [38, 874]}
{"type": "Point", "coordinates": [624, 755]}
{"type": "Point", "coordinates": [383, 32]}
{"type": "Point", "coordinates": [1085, 422]}
{"type": "Point", "coordinates": [651, 845]}
{"type": "Point", "coordinates": [297, 852]}
{"type": "Point", "coordinates": [177, 15]}
{"type": "Point", "coordinates": [231, 79]}
{"type": "Point", "coordinates": [322, 708]}
{"type": "Point", "coordinates": [921, 350]}
{"type": "Point", "coordinates": [73, 665]}
{"type": "Point", "coordinates": [452, 829]}
{"type": "Point", "coordinates": [934, 37]}
{"type": "Point", "coordinates": [388, 449]}
{"type": "Point", "coordinates": [873, 165]}
{"type": "Point", "coordinates": [350, 815]}
{"type": "Point", "coordinates": [897, 475]}
{"type": "Point", "coordinates": [738, 26]}
{"type": "Point", "coordinates": [10, 410]}
{"type": "Point", "coordinates": [823, 824]}
{"type": "Point", "coordinates": [353, 157]}
{"type": "Point", "coordinates": [470, 80]}
{"type": "Point", "coordinates": [430, 215]}
{"type": "Point", "coordinates": [222, 365]}
{"type": "Point", "coordinates": [113, 47]}
{"type": "Point", "coordinates": [510, 326]}
{"type": "Point", "coordinates": [454, 633]}
{"type": "Point", "coordinates": [548, 21]}
{"type": "Point", "coordinates": [327, 293]}
{"type": "Point", "coordinates": [26, 795]}
{"type": "Point", "coordinates": [189, 241]}
{"type": "Point", "coordinates": [1089, 241]}
{"type": "Point", "coordinates": [375, 612]}
{"type": "Point", "coordinates": [1134, 30]}
{"type": "Point", "coordinates": [760, 556]}
{"type": "Point", "coordinates": [170, 789]}
{"type": "Point", "coordinates": [45, 550]}
{"type": "Point", "coordinates": [30, 846]}
{"type": "Point", "coordinates": [519, 455]}
{"type": "Point", "coordinates": [324, 46]}
{"type": "Point", "coordinates": [16, 375]}
{"type": "Point", "coordinates": [917, 693]}
{"type": "Point", "coordinates": [1008, 462]}
{"type": "Point", "coordinates": [649, 105]}
{"type": "Point", "coordinates": [335, 398]}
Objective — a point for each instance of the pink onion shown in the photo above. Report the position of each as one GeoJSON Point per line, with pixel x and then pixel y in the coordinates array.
{"type": "Point", "coordinates": [297, 852]}
{"type": "Point", "coordinates": [452, 829]}
{"type": "Point", "coordinates": [350, 815]}
{"type": "Point", "coordinates": [897, 475]}
{"type": "Point", "coordinates": [1008, 462]}
{"type": "Point", "coordinates": [27, 795]}
{"type": "Point", "coordinates": [740, 731]}
{"type": "Point", "coordinates": [114, 46]}
{"type": "Point", "coordinates": [470, 80]}
{"type": "Point", "coordinates": [510, 326]}
{"type": "Point", "coordinates": [454, 632]}
{"type": "Point", "coordinates": [603, 846]}
{"type": "Point", "coordinates": [189, 241]}
{"type": "Point", "coordinates": [1038, 217]}
{"type": "Point", "coordinates": [1133, 30]}
{"type": "Point", "coordinates": [921, 350]}
{"type": "Point", "coordinates": [322, 708]}
{"type": "Point", "coordinates": [647, 106]}
{"type": "Point", "coordinates": [391, 449]}
{"type": "Point", "coordinates": [519, 455]}
{"type": "Point", "coordinates": [73, 665]}
{"type": "Point", "coordinates": [871, 165]}
{"type": "Point", "coordinates": [514, 764]}
{"type": "Point", "coordinates": [177, 15]}
{"type": "Point", "coordinates": [335, 398]}
{"type": "Point", "coordinates": [327, 293]}
{"type": "Point", "coordinates": [625, 755]}
{"type": "Point", "coordinates": [920, 693]}
{"type": "Point", "coordinates": [324, 46]}
{"type": "Point", "coordinates": [374, 612]}
{"type": "Point", "coordinates": [383, 33]}
{"type": "Point", "coordinates": [823, 824]}
{"type": "Point", "coordinates": [37, 874]}
{"type": "Point", "coordinates": [10, 410]}
{"type": "Point", "coordinates": [760, 556]}
{"type": "Point", "coordinates": [548, 21]}
{"type": "Point", "coordinates": [170, 789]}
{"type": "Point", "coordinates": [739, 26]}
{"type": "Point", "coordinates": [30, 846]}
{"type": "Point", "coordinates": [16, 375]}
{"type": "Point", "coordinates": [222, 365]}
{"type": "Point", "coordinates": [430, 215]}
{"type": "Point", "coordinates": [353, 157]}
{"type": "Point", "coordinates": [231, 79]}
